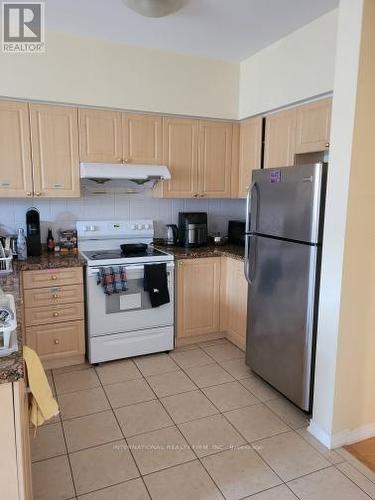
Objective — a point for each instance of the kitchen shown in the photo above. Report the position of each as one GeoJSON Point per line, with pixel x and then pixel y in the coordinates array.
{"type": "Point", "coordinates": [198, 394]}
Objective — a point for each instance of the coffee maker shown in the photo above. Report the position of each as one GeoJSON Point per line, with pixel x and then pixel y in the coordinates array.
{"type": "Point", "coordinates": [34, 246]}
{"type": "Point", "coordinates": [192, 229]}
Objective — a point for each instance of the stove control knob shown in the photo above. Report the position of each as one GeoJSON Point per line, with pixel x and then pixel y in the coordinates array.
{"type": "Point", "coordinates": [134, 226]}
{"type": "Point", "coordinates": [142, 226]}
{"type": "Point", "coordinates": [139, 226]}
{"type": "Point", "coordinates": [92, 228]}
{"type": "Point", "coordinates": [148, 226]}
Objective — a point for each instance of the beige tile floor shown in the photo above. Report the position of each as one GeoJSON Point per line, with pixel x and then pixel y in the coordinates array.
{"type": "Point", "coordinates": [192, 425]}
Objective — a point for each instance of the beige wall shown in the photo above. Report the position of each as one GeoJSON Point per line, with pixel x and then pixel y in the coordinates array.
{"type": "Point", "coordinates": [297, 67]}
{"type": "Point", "coordinates": [355, 391]}
{"type": "Point", "coordinates": [96, 72]}
{"type": "Point", "coordinates": [344, 409]}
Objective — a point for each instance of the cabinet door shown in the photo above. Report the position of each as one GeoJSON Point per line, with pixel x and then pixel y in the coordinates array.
{"type": "Point", "coordinates": [233, 310]}
{"type": "Point", "coordinates": [142, 138]}
{"type": "Point", "coordinates": [250, 152]}
{"type": "Point", "coordinates": [8, 455]}
{"type": "Point", "coordinates": [57, 341]}
{"type": "Point", "coordinates": [313, 126]}
{"type": "Point", "coordinates": [198, 282]}
{"type": "Point", "coordinates": [22, 426]}
{"type": "Point", "coordinates": [214, 159]}
{"type": "Point", "coordinates": [279, 148]}
{"type": "Point", "coordinates": [15, 151]}
{"type": "Point", "coordinates": [180, 154]}
{"type": "Point", "coordinates": [100, 136]}
{"type": "Point", "coordinates": [54, 139]}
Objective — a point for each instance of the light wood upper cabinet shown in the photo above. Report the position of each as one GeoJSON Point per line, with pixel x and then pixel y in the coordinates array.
{"type": "Point", "coordinates": [15, 152]}
{"type": "Point", "coordinates": [250, 152]}
{"type": "Point", "coordinates": [100, 135]}
{"type": "Point", "coordinates": [233, 306]}
{"type": "Point", "coordinates": [180, 154]}
{"type": "Point", "coordinates": [54, 138]}
{"type": "Point", "coordinates": [214, 159]}
{"type": "Point", "coordinates": [198, 297]}
{"type": "Point", "coordinates": [313, 126]}
{"type": "Point", "coordinates": [142, 138]}
{"type": "Point", "coordinates": [280, 139]}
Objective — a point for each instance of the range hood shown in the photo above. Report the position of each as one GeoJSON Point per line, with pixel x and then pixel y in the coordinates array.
{"type": "Point", "coordinates": [102, 178]}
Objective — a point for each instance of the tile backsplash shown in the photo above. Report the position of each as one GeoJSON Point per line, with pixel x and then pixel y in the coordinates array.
{"type": "Point", "coordinates": [63, 213]}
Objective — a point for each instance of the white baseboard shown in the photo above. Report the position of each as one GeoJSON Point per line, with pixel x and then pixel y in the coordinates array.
{"type": "Point", "coordinates": [341, 438]}
{"type": "Point", "coordinates": [320, 434]}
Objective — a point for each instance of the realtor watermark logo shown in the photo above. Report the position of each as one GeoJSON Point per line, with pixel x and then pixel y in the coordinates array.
{"type": "Point", "coordinates": [23, 30]}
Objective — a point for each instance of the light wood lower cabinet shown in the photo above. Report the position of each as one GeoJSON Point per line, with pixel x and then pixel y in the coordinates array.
{"type": "Point", "coordinates": [233, 301]}
{"type": "Point", "coordinates": [211, 300]}
{"type": "Point", "coordinates": [52, 277]}
{"type": "Point", "coordinates": [52, 296]}
{"type": "Point", "coordinates": [54, 315]}
{"type": "Point", "coordinates": [198, 297]}
{"type": "Point", "coordinates": [15, 456]}
{"type": "Point", "coordinates": [57, 341]}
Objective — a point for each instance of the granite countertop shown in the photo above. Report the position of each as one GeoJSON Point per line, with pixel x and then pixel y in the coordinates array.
{"type": "Point", "coordinates": [50, 261]}
{"type": "Point", "coordinates": [12, 366]}
{"type": "Point", "coordinates": [234, 251]}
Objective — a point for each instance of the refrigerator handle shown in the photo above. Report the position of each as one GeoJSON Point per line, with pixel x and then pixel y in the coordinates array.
{"type": "Point", "coordinates": [250, 275]}
{"type": "Point", "coordinates": [248, 206]}
{"type": "Point", "coordinates": [246, 261]}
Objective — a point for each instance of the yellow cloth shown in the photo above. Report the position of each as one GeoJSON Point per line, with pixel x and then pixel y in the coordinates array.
{"type": "Point", "coordinates": [43, 405]}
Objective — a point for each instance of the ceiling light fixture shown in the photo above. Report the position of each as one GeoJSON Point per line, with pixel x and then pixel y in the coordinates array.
{"type": "Point", "coordinates": [155, 8]}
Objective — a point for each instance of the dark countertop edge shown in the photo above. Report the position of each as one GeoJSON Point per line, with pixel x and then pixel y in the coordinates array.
{"type": "Point", "coordinates": [50, 261]}
{"type": "Point", "coordinates": [233, 251]}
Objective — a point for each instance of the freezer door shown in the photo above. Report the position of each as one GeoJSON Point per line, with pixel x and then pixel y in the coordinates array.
{"type": "Point", "coordinates": [280, 330]}
{"type": "Point", "coordinates": [288, 202]}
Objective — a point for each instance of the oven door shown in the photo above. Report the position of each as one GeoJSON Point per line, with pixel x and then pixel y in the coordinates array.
{"type": "Point", "coordinates": [126, 311]}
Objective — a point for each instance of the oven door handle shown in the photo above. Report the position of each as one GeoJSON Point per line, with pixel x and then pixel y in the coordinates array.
{"type": "Point", "coordinates": [94, 271]}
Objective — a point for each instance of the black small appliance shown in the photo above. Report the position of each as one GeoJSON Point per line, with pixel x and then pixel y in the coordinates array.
{"type": "Point", "coordinates": [34, 246]}
{"type": "Point", "coordinates": [192, 229]}
{"type": "Point", "coordinates": [236, 232]}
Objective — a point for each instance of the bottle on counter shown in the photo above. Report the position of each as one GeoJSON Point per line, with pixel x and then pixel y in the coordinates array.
{"type": "Point", "coordinates": [50, 241]}
{"type": "Point", "coordinates": [21, 245]}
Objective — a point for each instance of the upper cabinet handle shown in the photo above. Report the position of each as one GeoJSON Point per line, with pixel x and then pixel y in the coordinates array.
{"type": "Point", "coordinates": [327, 144]}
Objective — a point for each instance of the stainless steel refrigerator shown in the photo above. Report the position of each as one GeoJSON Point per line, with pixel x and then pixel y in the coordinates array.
{"type": "Point", "coordinates": [284, 228]}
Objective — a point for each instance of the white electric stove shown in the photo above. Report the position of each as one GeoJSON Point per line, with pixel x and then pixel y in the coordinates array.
{"type": "Point", "coordinates": [123, 325]}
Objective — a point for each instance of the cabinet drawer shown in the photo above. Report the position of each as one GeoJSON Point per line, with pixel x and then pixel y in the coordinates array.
{"type": "Point", "coordinates": [53, 314]}
{"type": "Point", "coordinates": [55, 341]}
{"type": "Point", "coordinates": [53, 295]}
{"type": "Point", "coordinates": [56, 277]}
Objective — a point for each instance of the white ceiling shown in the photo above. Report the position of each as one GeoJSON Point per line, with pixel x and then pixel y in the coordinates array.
{"type": "Point", "coordinates": [222, 29]}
